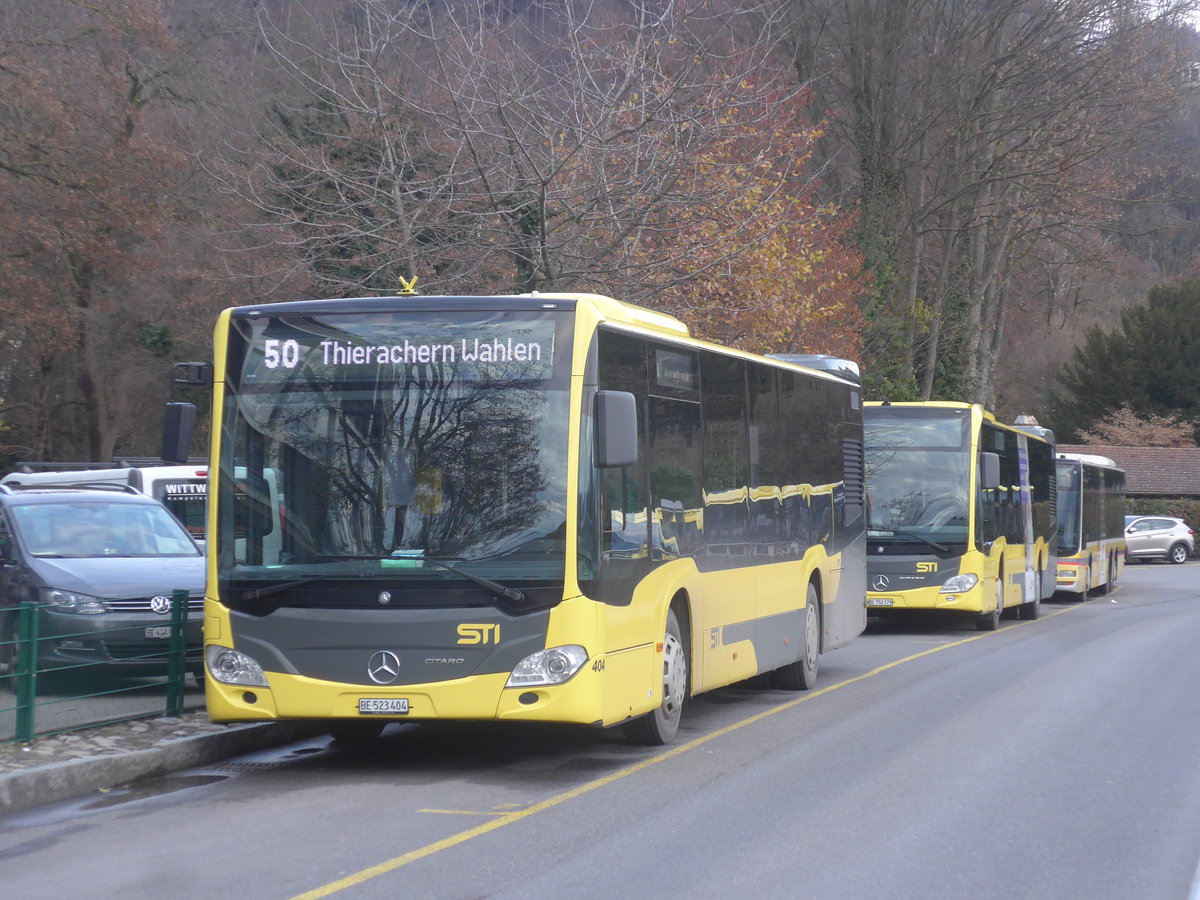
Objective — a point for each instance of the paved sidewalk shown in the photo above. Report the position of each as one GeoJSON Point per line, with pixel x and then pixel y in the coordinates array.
{"type": "Point", "coordinates": [97, 759]}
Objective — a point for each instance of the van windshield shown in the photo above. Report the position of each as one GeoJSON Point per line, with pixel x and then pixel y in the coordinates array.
{"type": "Point", "coordinates": [82, 529]}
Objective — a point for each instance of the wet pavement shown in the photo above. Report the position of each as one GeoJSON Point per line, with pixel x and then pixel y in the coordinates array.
{"type": "Point", "coordinates": [69, 765]}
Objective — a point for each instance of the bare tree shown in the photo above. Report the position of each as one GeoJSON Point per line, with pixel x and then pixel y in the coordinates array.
{"type": "Point", "coordinates": [982, 134]}
{"type": "Point", "coordinates": [483, 149]}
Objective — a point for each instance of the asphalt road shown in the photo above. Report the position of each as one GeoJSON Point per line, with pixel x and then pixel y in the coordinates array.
{"type": "Point", "coordinates": [1049, 759]}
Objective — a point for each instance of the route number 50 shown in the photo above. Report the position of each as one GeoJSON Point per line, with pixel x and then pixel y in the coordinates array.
{"type": "Point", "coordinates": [276, 352]}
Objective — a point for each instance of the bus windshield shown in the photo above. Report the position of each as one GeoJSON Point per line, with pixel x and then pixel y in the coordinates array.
{"type": "Point", "coordinates": [917, 476]}
{"type": "Point", "coordinates": [383, 445]}
{"type": "Point", "coordinates": [1068, 508]}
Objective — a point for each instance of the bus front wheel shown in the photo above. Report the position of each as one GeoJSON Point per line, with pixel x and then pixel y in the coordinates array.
{"type": "Point", "coordinates": [660, 725]}
{"type": "Point", "coordinates": [990, 621]}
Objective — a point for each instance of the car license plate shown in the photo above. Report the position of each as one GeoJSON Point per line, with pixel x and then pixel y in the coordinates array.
{"type": "Point", "coordinates": [383, 706]}
{"type": "Point", "coordinates": [879, 601]}
{"type": "Point", "coordinates": [158, 631]}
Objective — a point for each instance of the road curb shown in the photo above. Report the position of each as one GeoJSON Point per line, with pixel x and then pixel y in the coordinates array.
{"type": "Point", "coordinates": [26, 788]}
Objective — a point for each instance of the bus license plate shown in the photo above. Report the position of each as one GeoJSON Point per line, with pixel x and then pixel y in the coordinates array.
{"type": "Point", "coordinates": [383, 706]}
{"type": "Point", "coordinates": [879, 601]}
{"type": "Point", "coordinates": [158, 631]}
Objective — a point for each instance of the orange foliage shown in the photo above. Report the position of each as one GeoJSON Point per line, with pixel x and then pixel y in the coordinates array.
{"type": "Point", "coordinates": [770, 268]}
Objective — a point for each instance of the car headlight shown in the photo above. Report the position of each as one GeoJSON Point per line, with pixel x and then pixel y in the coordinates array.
{"type": "Point", "coordinates": [958, 584]}
{"type": "Point", "coordinates": [72, 602]}
{"type": "Point", "coordinates": [232, 667]}
{"type": "Point", "coordinates": [553, 666]}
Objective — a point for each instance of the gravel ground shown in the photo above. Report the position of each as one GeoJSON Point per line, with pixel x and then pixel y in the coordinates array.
{"type": "Point", "coordinates": [105, 740]}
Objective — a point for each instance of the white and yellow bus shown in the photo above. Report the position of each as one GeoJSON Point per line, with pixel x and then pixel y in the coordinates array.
{"type": "Point", "coordinates": [1091, 524]}
{"type": "Point", "coordinates": [960, 512]}
{"type": "Point", "coordinates": [541, 508]}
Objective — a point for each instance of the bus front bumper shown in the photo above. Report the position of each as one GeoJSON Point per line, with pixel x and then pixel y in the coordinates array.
{"type": "Point", "coordinates": [596, 695]}
{"type": "Point", "coordinates": [931, 598]}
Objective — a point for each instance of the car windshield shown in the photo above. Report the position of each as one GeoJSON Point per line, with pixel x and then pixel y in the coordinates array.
{"type": "Point", "coordinates": [74, 529]}
{"type": "Point", "coordinates": [379, 444]}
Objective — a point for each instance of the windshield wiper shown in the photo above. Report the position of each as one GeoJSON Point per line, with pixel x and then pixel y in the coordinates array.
{"type": "Point", "coordinates": [940, 548]}
{"type": "Point", "coordinates": [259, 593]}
{"type": "Point", "coordinates": [511, 594]}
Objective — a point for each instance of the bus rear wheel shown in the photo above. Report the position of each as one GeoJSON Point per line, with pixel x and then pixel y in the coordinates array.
{"type": "Point", "coordinates": [660, 725]}
{"type": "Point", "coordinates": [802, 674]}
{"type": "Point", "coordinates": [1109, 578]}
{"type": "Point", "coordinates": [1032, 609]}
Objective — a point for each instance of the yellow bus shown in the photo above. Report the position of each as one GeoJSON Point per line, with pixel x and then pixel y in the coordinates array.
{"type": "Point", "coordinates": [538, 508]}
{"type": "Point", "coordinates": [1091, 524]}
{"type": "Point", "coordinates": [960, 512]}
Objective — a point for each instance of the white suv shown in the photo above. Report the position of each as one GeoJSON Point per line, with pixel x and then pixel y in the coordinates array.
{"type": "Point", "coordinates": [1158, 537]}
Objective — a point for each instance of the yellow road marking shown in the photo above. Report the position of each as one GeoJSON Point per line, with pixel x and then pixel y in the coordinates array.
{"type": "Point", "coordinates": [504, 819]}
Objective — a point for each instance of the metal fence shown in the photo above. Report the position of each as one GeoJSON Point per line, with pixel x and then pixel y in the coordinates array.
{"type": "Point", "coordinates": [39, 698]}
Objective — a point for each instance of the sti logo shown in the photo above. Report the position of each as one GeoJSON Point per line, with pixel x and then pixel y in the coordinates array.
{"type": "Point", "coordinates": [479, 634]}
{"type": "Point", "coordinates": [927, 567]}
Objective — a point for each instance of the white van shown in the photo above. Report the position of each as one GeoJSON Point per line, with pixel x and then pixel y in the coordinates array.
{"type": "Point", "coordinates": [181, 489]}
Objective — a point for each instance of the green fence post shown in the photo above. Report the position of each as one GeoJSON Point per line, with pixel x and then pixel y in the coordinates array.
{"type": "Point", "coordinates": [176, 670]}
{"type": "Point", "coordinates": [26, 657]}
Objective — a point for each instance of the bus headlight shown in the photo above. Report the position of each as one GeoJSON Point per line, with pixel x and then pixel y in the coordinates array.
{"type": "Point", "coordinates": [553, 666]}
{"type": "Point", "coordinates": [959, 584]}
{"type": "Point", "coordinates": [231, 667]}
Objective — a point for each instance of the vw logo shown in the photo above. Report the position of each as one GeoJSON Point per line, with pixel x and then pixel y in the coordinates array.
{"type": "Point", "coordinates": [879, 583]}
{"type": "Point", "coordinates": [383, 667]}
{"type": "Point", "coordinates": [160, 604]}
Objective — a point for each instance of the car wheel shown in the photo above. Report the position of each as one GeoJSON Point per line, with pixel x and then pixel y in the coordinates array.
{"type": "Point", "coordinates": [1178, 554]}
{"type": "Point", "coordinates": [660, 725]}
{"type": "Point", "coordinates": [802, 674]}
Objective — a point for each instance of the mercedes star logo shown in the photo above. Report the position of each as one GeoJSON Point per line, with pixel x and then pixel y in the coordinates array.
{"type": "Point", "coordinates": [383, 667]}
{"type": "Point", "coordinates": [879, 583]}
{"type": "Point", "coordinates": [160, 604]}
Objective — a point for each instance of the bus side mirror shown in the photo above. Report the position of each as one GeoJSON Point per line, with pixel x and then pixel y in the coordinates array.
{"type": "Point", "coordinates": [989, 471]}
{"type": "Point", "coordinates": [178, 423]}
{"type": "Point", "coordinates": [616, 429]}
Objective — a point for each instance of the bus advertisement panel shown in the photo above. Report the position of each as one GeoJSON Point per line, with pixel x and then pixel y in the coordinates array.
{"type": "Point", "coordinates": [552, 508]}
